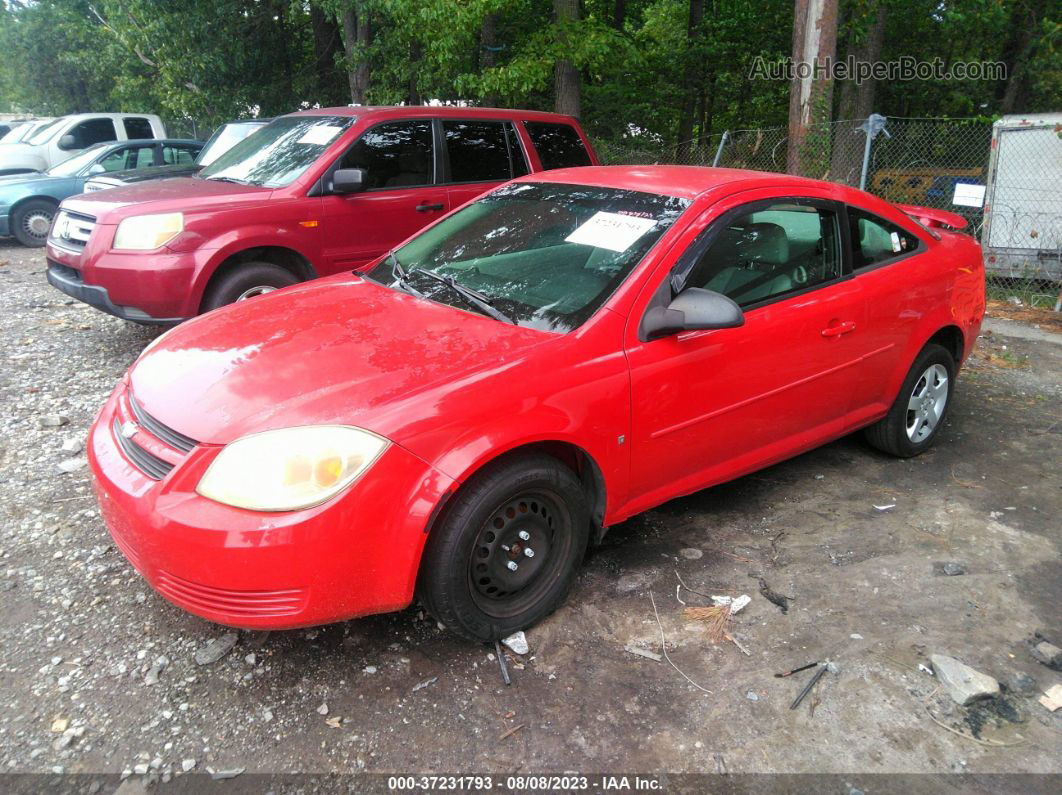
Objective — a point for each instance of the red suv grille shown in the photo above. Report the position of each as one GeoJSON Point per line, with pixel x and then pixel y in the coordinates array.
{"type": "Point", "coordinates": [232, 603]}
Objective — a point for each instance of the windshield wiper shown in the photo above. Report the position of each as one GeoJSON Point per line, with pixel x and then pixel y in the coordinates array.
{"type": "Point", "coordinates": [233, 180]}
{"type": "Point", "coordinates": [399, 274]}
{"type": "Point", "coordinates": [474, 297]}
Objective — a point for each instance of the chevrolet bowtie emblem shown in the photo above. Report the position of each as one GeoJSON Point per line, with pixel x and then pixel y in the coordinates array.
{"type": "Point", "coordinates": [129, 429]}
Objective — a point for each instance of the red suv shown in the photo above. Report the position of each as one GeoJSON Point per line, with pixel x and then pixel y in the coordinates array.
{"type": "Point", "coordinates": [310, 194]}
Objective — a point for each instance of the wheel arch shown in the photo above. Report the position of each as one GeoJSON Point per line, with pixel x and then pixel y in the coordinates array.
{"type": "Point", "coordinates": [571, 455]}
{"type": "Point", "coordinates": [291, 260]}
{"type": "Point", "coordinates": [950, 338]}
{"type": "Point", "coordinates": [34, 197]}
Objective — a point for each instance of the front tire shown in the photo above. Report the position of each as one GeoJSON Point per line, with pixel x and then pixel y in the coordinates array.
{"type": "Point", "coordinates": [505, 552]}
{"type": "Point", "coordinates": [249, 280]}
{"type": "Point", "coordinates": [919, 411]}
{"type": "Point", "coordinates": [31, 221]}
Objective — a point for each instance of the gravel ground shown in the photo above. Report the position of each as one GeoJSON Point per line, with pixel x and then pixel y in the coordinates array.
{"type": "Point", "coordinates": [99, 674]}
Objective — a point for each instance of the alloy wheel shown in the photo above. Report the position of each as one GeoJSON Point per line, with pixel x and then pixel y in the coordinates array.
{"type": "Point", "coordinates": [927, 402]}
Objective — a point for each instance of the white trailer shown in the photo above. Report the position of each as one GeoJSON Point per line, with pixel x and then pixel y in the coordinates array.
{"type": "Point", "coordinates": [1022, 231]}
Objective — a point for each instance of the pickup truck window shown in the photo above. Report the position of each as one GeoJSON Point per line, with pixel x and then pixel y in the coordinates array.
{"type": "Point", "coordinates": [558, 145]}
{"type": "Point", "coordinates": [395, 155]}
{"type": "Point", "coordinates": [137, 127]}
{"type": "Point", "coordinates": [45, 133]}
{"type": "Point", "coordinates": [280, 152]}
{"type": "Point", "coordinates": [92, 131]}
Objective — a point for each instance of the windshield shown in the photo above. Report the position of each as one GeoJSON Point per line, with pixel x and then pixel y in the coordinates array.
{"type": "Point", "coordinates": [546, 255]}
{"type": "Point", "coordinates": [73, 166]}
{"type": "Point", "coordinates": [45, 132]}
{"type": "Point", "coordinates": [14, 135]}
{"type": "Point", "coordinates": [224, 138]}
{"type": "Point", "coordinates": [280, 152]}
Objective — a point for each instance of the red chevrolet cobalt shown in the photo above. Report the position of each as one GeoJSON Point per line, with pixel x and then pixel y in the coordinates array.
{"type": "Point", "coordinates": [460, 420]}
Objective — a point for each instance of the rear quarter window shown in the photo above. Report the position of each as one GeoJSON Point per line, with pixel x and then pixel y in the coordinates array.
{"type": "Point", "coordinates": [558, 145]}
{"type": "Point", "coordinates": [137, 127]}
{"type": "Point", "coordinates": [876, 241]}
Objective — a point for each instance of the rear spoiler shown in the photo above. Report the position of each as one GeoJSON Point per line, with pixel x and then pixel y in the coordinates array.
{"type": "Point", "coordinates": [930, 217]}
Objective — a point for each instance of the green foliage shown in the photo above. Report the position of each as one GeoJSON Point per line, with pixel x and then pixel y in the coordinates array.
{"type": "Point", "coordinates": [212, 60]}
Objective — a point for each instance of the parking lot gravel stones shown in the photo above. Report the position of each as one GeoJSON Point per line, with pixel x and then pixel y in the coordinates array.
{"type": "Point", "coordinates": [82, 636]}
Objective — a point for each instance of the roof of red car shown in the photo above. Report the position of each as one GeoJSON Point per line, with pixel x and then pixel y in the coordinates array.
{"type": "Point", "coordinates": [687, 182]}
{"type": "Point", "coordinates": [448, 111]}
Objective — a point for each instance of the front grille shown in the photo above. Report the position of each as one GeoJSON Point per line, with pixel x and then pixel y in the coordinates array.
{"type": "Point", "coordinates": [233, 603]}
{"type": "Point", "coordinates": [72, 230]}
{"type": "Point", "coordinates": [163, 433]}
{"type": "Point", "coordinates": [148, 463]}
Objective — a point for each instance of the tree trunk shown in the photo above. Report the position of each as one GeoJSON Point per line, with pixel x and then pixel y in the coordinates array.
{"type": "Point", "coordinates": [567, 82]}
{"type": "Point", "coordinates": [856, 102]}
{"type": "Point", "coordinates": [691, 72]}
{"type": "Point", "coordinates": [811, 95]}
{"type": "Point", "coordinates": [619, 16]}
{"type": "Point", "coordinates": [488, 51]}
{"type": "Point", "coordinates": [1018, 50]}
{"type": "Point", "coordinates": [326, 45]}
{"type": "Point", "coordinates": [357, 35]}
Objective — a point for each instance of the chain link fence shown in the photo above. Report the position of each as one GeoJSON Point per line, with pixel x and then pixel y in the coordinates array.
{"type": "Point", "coordinates": [1008, 174]}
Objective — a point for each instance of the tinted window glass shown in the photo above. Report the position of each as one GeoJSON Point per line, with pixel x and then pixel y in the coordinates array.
{"type": "Point", "coordinates": [137, 127]}
{"type": "Point", "coordinates": [129, 157]}
{"type": "Point", "coordinates": [547, 255]}
{"type": "Point", "coordinates": [558, 145]}
{"type": "Point", "coordinates": [396, 155]}
{"type": "Point", "coordinates": [768, 253]}
{"type": "Point", "coordinates": [477, 149]}
{"type": "Point", "coordinates": [93, 131]}
{"type": "Point", "coordinates": [516, 151]}
{"type": "Point", "coordinates": [176, 154]}
{"type": "Point", "coordinates": [875, 240]}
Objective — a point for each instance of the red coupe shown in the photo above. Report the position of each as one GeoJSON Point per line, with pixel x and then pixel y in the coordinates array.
{"type": "Point", "coordinates": [459, 420]}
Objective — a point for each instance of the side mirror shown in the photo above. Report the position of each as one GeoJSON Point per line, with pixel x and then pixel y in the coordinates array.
{"type": "Point", "coordinates": [691, 310]}
{"type": "Point", "coordinates": [68, 142]}
{"type": "Point", "coordinates": [96, 168]}
{"type": "Point", "coordinates": [349, 180]}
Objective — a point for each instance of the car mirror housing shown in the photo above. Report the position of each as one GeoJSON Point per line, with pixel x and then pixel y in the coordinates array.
{"type": "Point", "coordinates": [349, 180]}
{"type": "Point", "coordinates": [68, 142]}
{"type": "Point", "coordinates": [693, 309]}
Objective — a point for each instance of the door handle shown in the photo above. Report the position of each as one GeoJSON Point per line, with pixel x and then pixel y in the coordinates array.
{"type": "Point", "coordinates": [839, 329]}
{"type": "Point", "coordinates": [427, 208]}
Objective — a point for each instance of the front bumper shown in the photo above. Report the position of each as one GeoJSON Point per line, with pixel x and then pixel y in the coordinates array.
{"type": "Point", "coordinates": [5, 222]}
{"type": "Point", "coordinates": [153, 287]}
{"type": "Point", "coordinates": [69, 281]}
{"type": "Point", "coordinates": [352, 556]}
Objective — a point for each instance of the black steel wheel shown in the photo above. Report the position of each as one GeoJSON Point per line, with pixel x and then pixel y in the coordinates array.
{"type": "Point", "coordinates": [506, 549]}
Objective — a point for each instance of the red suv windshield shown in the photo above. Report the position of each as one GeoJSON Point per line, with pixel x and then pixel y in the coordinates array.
{"type": "Point", "coordinates": [280, 152]}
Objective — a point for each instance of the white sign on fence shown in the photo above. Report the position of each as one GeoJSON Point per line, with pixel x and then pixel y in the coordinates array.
{"type": "Point", "coordinates": [968, 195]}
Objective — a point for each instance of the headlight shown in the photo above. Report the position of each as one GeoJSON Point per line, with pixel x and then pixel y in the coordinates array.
{"type": "Point", "coordinates": [148, 232]}
{"type": "Point", "coordinates": [291, 468]}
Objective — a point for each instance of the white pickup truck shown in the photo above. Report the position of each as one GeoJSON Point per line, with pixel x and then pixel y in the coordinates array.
{"type": "Point", "coordinates": [64, 137]}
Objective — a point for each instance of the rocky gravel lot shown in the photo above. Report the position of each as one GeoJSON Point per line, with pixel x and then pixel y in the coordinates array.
{"type": "Point", "coordinates": [99, 674]}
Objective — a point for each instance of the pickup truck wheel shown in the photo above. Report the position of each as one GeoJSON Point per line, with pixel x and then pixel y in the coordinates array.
{"type": "Point", "coordinates": [249, 280]}
{"type": "Point", "coordinates": [505, 552]}
{"type": "Point", "coordinates": [31, 221]}
{"type": "Point", "coordinates": [918, 414]}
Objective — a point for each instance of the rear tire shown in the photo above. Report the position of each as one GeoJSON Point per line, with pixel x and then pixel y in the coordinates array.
{"type": "Point", "coordinates": [530, 512]}
{"type": "Point", "coordinates": [31, 221]}
{"type": "Point", "coordinates": [246, 281]}
{"type": "Point", "coordinates": [920, 408]}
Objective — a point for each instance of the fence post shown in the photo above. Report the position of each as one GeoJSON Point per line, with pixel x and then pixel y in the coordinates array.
{"type": "Point", "coordinates": [719, 150]}
{"type": "Point", "coordinates": [874, 124]}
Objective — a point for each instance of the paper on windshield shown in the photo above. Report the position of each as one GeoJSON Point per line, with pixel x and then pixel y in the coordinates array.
{"type": "Point", "coordinates": [321, 134]}
{"type": "Point", "coordinates": [613, 231]}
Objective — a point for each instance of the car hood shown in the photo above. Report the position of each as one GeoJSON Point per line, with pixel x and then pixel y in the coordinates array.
{"type": "Point", "coordinates": [132, 175]}
{"type": "Point", "coordinates": [17, 154]}
{"type": "Point", "coordinates": [183, 194]}
{"type": "Point", "coordinates": [339, 350]}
